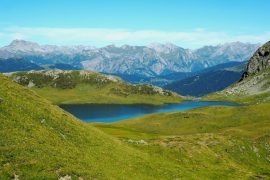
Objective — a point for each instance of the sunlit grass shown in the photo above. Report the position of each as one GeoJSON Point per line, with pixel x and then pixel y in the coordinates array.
{"type": "Point", "coordinates": [218, 142]}
{"type": "Point", "coordinates": [41, 141]}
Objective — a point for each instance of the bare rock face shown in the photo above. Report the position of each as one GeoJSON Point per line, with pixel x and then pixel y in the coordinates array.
{"type": "Point", "coordinates": [259, 61]}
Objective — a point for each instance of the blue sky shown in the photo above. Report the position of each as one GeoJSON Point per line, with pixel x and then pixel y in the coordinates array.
{"type": "Point", "coordinates": [188, 23]}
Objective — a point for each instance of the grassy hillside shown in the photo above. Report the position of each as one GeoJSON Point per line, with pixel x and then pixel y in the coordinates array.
{"type": "Point", "coordinates": [232, 143]}
{"type": "Point", "coordinates": [216, 142]}
{"type": "Point", "coordinates": [76, 87]}
{"type": "Point", "coordinates": [41, 141]}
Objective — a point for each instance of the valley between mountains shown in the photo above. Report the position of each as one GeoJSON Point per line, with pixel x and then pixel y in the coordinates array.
{"type": "Point", "coordinates": [42, 141]}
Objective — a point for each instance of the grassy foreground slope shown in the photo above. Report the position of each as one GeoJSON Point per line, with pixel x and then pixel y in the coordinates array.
{"type": "Point", "coordinates": [76, 87]}
{"type": "Point", "coordinates": [216, 142]}
{"type": "Point", "coordinates": [41, 141]}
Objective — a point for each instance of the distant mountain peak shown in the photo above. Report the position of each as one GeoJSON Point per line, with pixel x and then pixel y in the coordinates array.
{"type": "Point", "coordinates": [165, 48]}
{"type": "Point", "coordinates": [23, 46]}
{"type": "Point", "coordinates": [18, 42]}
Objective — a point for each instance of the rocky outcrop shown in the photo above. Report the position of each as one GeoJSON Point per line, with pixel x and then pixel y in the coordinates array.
{"type": "Point", "coordinates": [259, 61]}
{"type": "Point", "coordinates": [259, 80]}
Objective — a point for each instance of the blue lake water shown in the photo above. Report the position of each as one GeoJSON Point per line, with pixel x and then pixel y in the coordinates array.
{"type": "Point", "coordinates": [115, 112]}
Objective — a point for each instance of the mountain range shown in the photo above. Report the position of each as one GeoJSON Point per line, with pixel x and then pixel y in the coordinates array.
{"type": "Point", "coordinates": [164, 65]}
{"type": "Point", "coordinates": [147, 61]}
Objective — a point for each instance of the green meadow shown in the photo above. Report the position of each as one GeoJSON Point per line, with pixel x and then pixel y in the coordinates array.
{"type": "Point", "coordinates": [215, 142]}
{"type": "Point", "coordinates": [41, 141]}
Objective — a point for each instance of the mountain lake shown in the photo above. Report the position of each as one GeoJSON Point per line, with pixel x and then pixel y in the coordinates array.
{"type": "Point", "coordinates": [117, 112]}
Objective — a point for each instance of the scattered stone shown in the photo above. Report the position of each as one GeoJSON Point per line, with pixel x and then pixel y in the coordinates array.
{"type": "Point", "coordinates": [141, 141]}
{"type": "Point", "coordinates": [130, 141]}
{"type": "Point", "coordinates": [255, 149]}
{"type": "Point", "coordinates": [31, 84]}
{"type": "Point", "coordinates": [67, 177]}
{"type": "Point", "coordinates": [136, 142]}
{"type": "Point", "coordinates": [43, 121]}
{"type": "Point", "coordinates": [15, 177]}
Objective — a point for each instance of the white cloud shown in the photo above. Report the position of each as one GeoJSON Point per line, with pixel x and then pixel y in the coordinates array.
{"type": "Point", "coordinates": [101, 37]}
